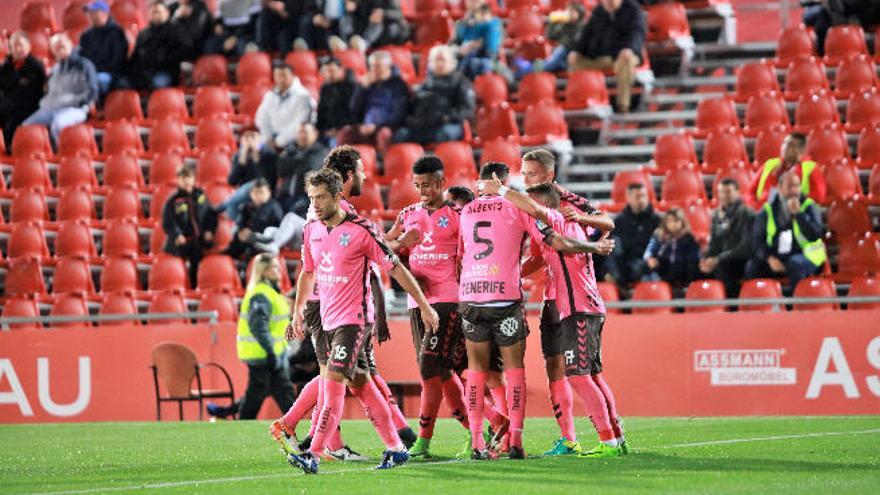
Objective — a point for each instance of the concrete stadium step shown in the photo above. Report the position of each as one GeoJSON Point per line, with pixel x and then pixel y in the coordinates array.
{"type": "Point", "coordinates": [676, 98]}
{"type": "Point", "coordinates": [660, 116]}
{"type": "Point", "coordinates": [579, 169]}
{"type": "Point", "coordinates": [626, 134]}
{"type": "Point", "coordinates": [624, 150]}
{"type": "Point", "coordinates": [694, 81]}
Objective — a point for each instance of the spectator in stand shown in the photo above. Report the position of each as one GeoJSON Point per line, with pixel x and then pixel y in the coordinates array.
{"type": "Point", "coordinates": [459, 196]}
{"type": "Point", "coordinates": [335, 100]}
{"type": "Point", "coordinates": [71, 92]}
{"type": "Point", "coordinates": [730, 242]}
{"type": "Point", "coordinates": [564, 28]}
{"type": "Point", "coordinates": [194, 20]}
{"type": "Point", "coordinates": [235, 28]}
{"type": "Point", "coordinates": [188, 222]}
{"type": "Point", "coordinates": [254, 160]}
{"type": "Point", "coordinates": [254, 217]}
{"type": "Point", "coordinates": [105, 45]}
{"type": "Point", "coordinates": [158, 51]}
{"type": "Point", "coordinates": [787, 234]}
{"type": "Point", "coordinates": [612, 40]}
{"type": "Point", "coordinates": [373, 23]}
{"type": "Point", "coordinates": [278, 24]}
{"type": "Point", "coordinates": [634, 227]}
{"type": "Point", "coordinates": [379, 105]}
{"type": "Point", "coordinates": [791, 158]}
{"type": "Point", "coordinates": [284, 108]}
{"type": "Point", "coordinates": [222, 41]}
{"type": "Point", "coordinates": [820, 15]}
{"type": "Point", "coordinates": [22, 77]}
{"type": "Point", "coordinates": [478, 38]}
{"type": "Point", "coordinates": [305, 155]}
{"type": "Point", "coordinates": [320, 23]}
{"type": "Point", "coordinates": [672, 253]}
{"type": "Point", "coordinates": [446, 89]}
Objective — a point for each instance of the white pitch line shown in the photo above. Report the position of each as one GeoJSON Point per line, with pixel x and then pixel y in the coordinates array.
{"type": "Point", "coordinates": [235, 479]}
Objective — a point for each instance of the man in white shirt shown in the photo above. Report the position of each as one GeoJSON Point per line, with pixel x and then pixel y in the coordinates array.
{"type": "Point", "coordinates": [284, 108]}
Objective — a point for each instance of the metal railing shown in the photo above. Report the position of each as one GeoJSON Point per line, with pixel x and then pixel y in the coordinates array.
{"type": "Point", "coordinates": [212, 316]}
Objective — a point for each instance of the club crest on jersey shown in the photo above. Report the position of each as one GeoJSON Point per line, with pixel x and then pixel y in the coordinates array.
{"type": "Point", "coordinates": [344, 239]}
{"type": "Point", "coordinates": [443, 222]}
{"type": "Point", "coordinates": [509, 326]}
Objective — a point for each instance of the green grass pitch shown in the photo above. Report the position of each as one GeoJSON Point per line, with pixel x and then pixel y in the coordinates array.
{"type": "Point", "coordinates": [701, 455]}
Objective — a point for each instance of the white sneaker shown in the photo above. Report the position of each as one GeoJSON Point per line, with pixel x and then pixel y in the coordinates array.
{"type": "Point", "coordinates": [345, 454]}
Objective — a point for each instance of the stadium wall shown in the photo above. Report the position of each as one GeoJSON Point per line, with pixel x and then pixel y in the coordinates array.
{"type": "Point", "coordinates": [800, 362]}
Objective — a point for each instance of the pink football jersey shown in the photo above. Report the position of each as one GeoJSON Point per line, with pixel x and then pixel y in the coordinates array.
{"type": "Point", "coordinates": [434, 261]}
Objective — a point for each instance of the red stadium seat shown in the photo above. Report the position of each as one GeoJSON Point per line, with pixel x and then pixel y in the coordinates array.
{"type": "Point", "coordinates": [504, 151]}
{"type": "Point", "coordinates": [167, 103]}
{"type": "Point", "coordinates": [842, 42]}
{"type": "Point", "coordinates": [804, 76]}
{"type": "Point", "coordinates": [702, 290]}
{"type": "Point", "coordinates": [121, 239]}
{"type": "Point", "coordinates": [30, 173]}
{"type": "Point", "coordinates": [859, 256]}
{"type": "Point", "coordinates": [70, 305]}
{"type": "Point", "coordinates": [250, 98]}
{"type": "Point", "coordinates": [874, 185]}
{"type": "Point", "coordinates": [368, 157]}
{"type": "Point", "coordinates": [119, 275]}
{"type": "Point", "coordinates": [304, 64]}
{"type": "Point", "coordinates": [496, 122]}
{"type": "Point", "coordinates": [160, 197]}
{"type": "Point", "coordinates": [38, 16]}
{"type": "Point", "coordinates": [123, 104]}
{"type": "Point", "coordinates": [254, 68]}
{"type": "Point", "coordinates": [723, 148]}
{"type": "Point", "coordinates": [682, 185]}
{"type": "Point", "coordinates": [794, 43]}
{"type": "Point", "coordinates": [860, 287]}
{"type": "Point", "coordinates": [128, 14]}
{"type": "Point", "coordinates": [760, 288]}
{"type": "Point", "coordinates": [167, 302]}
{"type": "Point", "coordinates": [768, 144]}
{"type": "Point", "coordinates": [609, 293]}
{"type": "Point", "coordinates": [213, 166]}
{"type": "Point", "coordinates": [764, 112]}
{"type": "Point", "coordinates": [168, 273]}
{"type": "Point", "coordinates": [76, 139]}
{"type": "Point", "coordinates": [157, 239]}
{"type": "Point", "coordinates": [815, 287]}
{"type": "Point", "coordinates": [699, 216]}
{"type": "Point", "coordinates": [400, 195]}
{"type": "Point", "coordinates": [221, 302]}
{"type": "Point", "coordinates": [123, 170]}
{"type": "Point", "coordinates": [436, 32]}
{"type": "Point", "coordinates": [31, 140]}
{"type": "Point", "coordinates": [525, 23]}
{"type": "Point", "coordinates": [491, 89]}
{"type": "Point", "coordinates": [353, 59]}
{"type": "Point", "coordinates": [24, 277]}
{"type": "Point", "coordinates": [370, 199]}
{"type": "Point", "coordinates": [218, 272]}
{"type": "Point", "coordinates": [855, 75]}
{"type": "Point", "coordinates": [755, 79]}
{"type": "Point", "coordinates": [72, 275]}
{"type": "Point", "coordinates": [218, 192]}
{"type": "Point", "coordinates": [544, 122]}
{"type": "Point", "coordinates": [667, 21]}
{"type": "Point", "coordinates": [21, 307]}
{"type": "Point", "coordinates": [868, 147]}
{"type": "Point", "coordinates": [212, 101]}
{"type": "Point", "coordinates": [215, 134]}
{"type": "Point", "coordinates": [741, 173]}
{"type": "Point", "coordinates": [167, 136]}
{"type": "Point", "coordinates": [623, 179]}
{"type": "Point", "coordinates": [27, 240]}
{"type": "Point", "coordinates": [815, 110]}
{"type": "Point", "coordinates": [862, 110]}
{"type": "Point", "coordinates": [827, 145]}
{"type": "Point", "coordinates": [402, 58]}
{"type": "Point", "coordinates": [28, 206]}
{"type": "Point", "coordinates": [120, 137]}
{"type": "Point", "coordinates": [842, 179]}
{"type": "Point", "coordinates": [210, 70]}
{"type": "Point", "coordinates": [534, 88]}
{"type": "Point", "coordinates": [74, 238]}
{"type": "Point", "coordinates": [40, 46]}
{"type": "Point", "coordinates": [118, 303]}
{"type": "Point", "coordinates": [652, 291]}
{"type": "Point", "coordinates": [714, 114]}
{"type": "Point", "coordinates": [399, 160]}
{"type": "Point", "coordinates": [122, 202]}
{"type": "Point", "coordinates": [585, 89]}
{"type": "Point", "coordinates": [458, 159]}
{"type": "Point", "coordinates": [76, 203]}
{"type": "Point", "coordinates": [848, 217]}
{"type": "Point", "coordinates": [673, 150]}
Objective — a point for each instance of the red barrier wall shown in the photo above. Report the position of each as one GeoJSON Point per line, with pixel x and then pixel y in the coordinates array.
{"type": "Point", "coordinates": [820, 362]}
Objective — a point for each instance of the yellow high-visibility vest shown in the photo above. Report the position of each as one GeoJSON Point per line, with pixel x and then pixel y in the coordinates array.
{"type": "Point", "coordinates": [248, 347]}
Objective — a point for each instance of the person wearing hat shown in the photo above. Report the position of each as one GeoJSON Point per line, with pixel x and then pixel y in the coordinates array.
{"type": "Point", "coordinates": [104, 44]}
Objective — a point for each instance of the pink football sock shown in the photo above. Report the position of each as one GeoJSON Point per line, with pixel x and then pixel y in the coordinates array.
{"type": "Point", "coordinates": [453, 392]}
{"type": "Point", "coordinates": [396, 415]}
{"type": "Point", "coordinates": [499, 396]}
{"type": "Point", "coordinates": [307, 400]}
{"type": "Point", "coordinates": [319, 404]}
{"type": "Point", "coordinates": [335, 441]}
{"type": "Point", "coordinates": [516, 399]}
{"type": "Point", "coordinates": [331, 414]}
{"type": "Point", "coordinates": [562, 401]}
{"type": "Point", "coordinates": [432, 396]}
{"type": "Point", "coordinates": [594, 403]}
{"type": "Point", "coordinates": [612, 406]}
{"type": "Point", "coordinates": [377, 410]}
{"type": "Point", "coordinates": [476, 401]}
